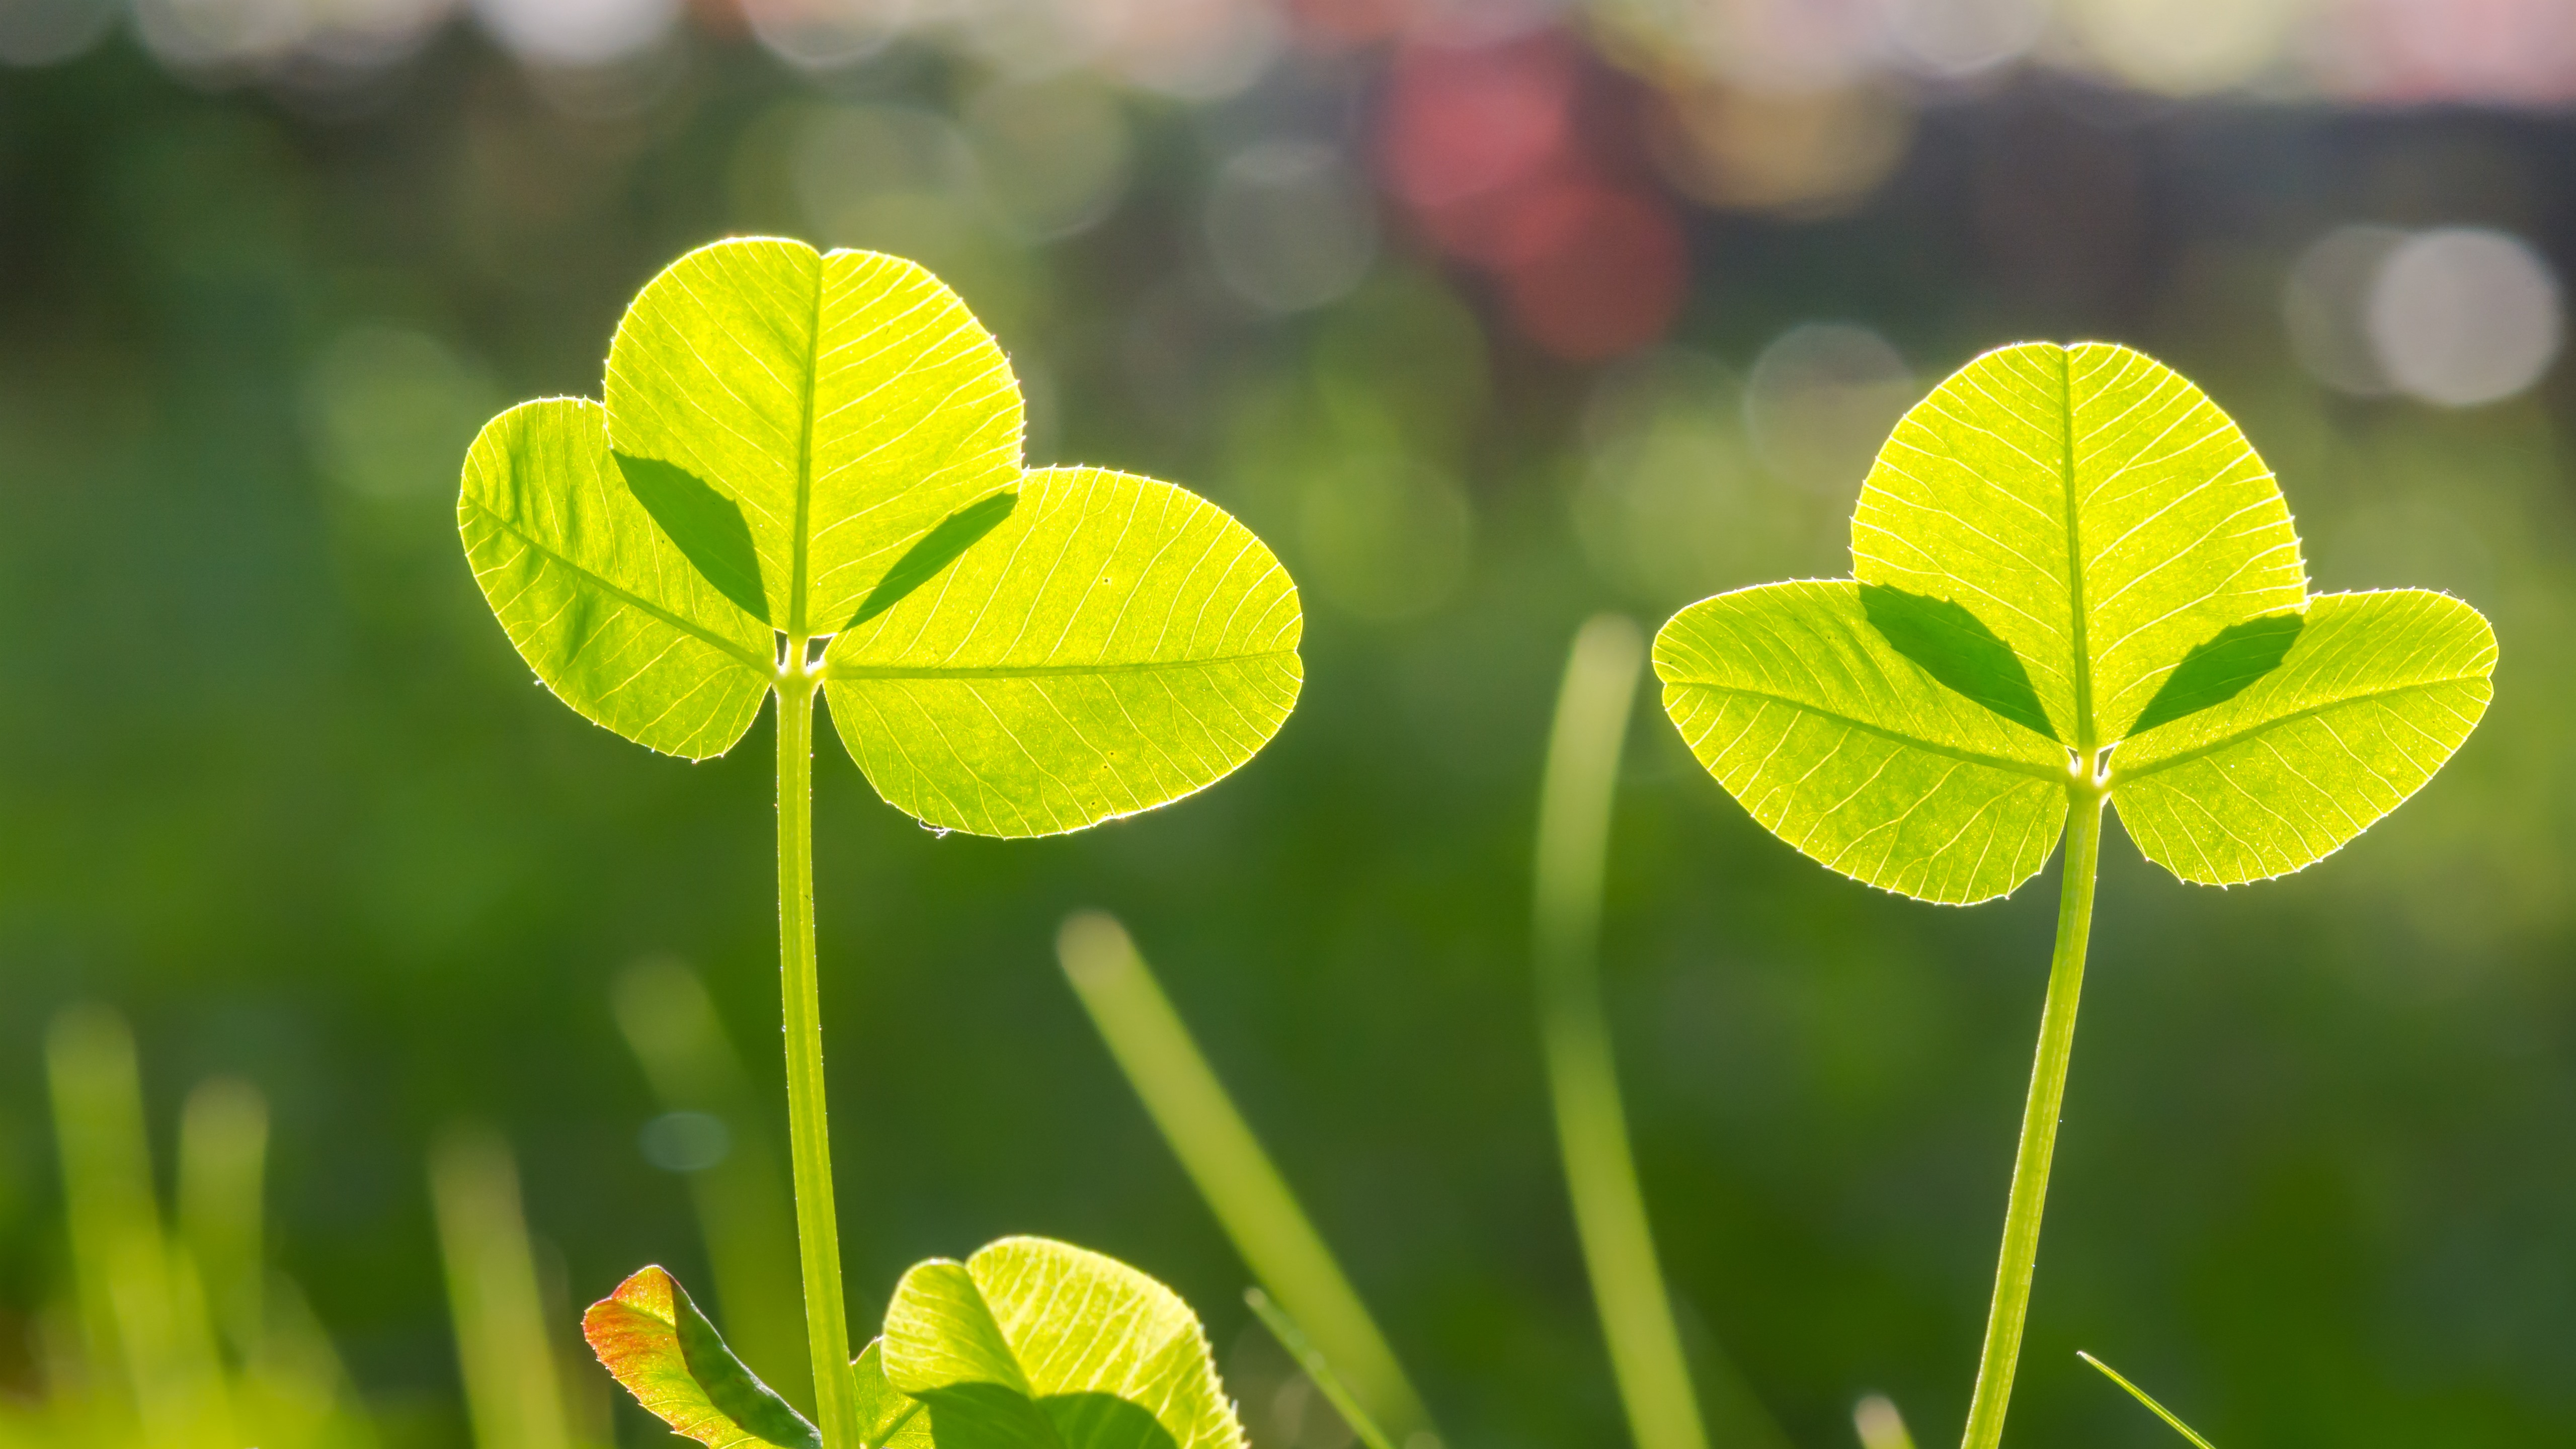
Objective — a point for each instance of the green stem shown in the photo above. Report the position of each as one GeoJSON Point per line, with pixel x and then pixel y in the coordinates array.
{"type": "Point", "coordinates": [2039, 1122]}
{"type": "Point", "coordinates": [818, 1236]}
{"type": "Point", "coordinates": [1583, 1079]}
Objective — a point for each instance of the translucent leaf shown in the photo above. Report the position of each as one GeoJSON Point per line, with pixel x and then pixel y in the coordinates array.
{"type": "Point", "coordinates": [826, 447]}
{"type": "Point", "coordinates": [1854, 753]}
{"type": "Point", "coordinates": [888, 1417]}
{"type": "Point", "coordinates": [1111, 644]}
{"type": "Point", "coordinates": [610, 613]}
{"type": "Point", "coordinates": [2034, 459]}
{"type": "Point", "coordinates": [830, 409]}
{"type": "Point", "coordinates": [2061, 548]}
{"type": "Point", "coordinates": [1032, 1344]}
{"type": "Point", "coordinates": [2373, 696]}
{"type": "Point", "coordinates": [657, 1343]}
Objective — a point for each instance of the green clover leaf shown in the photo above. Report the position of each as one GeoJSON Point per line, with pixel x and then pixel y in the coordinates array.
{"type": "Point", "coordinates": [800, 447]}
{"type": "Point", "coordinates": [2070, 568]}
{"type": "Point", "coordinates": [1033, 1344]}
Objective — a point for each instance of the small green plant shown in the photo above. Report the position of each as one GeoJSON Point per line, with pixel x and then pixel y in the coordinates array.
{"type": "Point", "coordinates": [804, 478]}
{"type": "Point", "coordinates": [2074, 585]}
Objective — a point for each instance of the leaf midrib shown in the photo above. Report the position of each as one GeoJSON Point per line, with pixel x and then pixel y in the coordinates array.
{"type": "Point", "coordinates": [833, 672]}
{"type": "Point", "coordinates": [1973, 757]}
{"type": "Point", "coordinates": [2085, 745]}
{"type": "Point", "coordinates": [801, 545]}
{"type": "Point", "coordinates": [2256, 731]}
{"type": "Point", "coordinates": [689, 627]}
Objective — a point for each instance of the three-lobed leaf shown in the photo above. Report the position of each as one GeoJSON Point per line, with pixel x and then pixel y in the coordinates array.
{"type": "Point", "coordinates": [2071, 573]}
{"type": "Point", "coordinates": [1033, 1344]}
{"type": "Point", "coordinates": [826, 446]}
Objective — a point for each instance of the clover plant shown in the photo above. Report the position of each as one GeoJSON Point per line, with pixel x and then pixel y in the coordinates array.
{"type": "Point", "coordinates": [2074, 586]}
{"type": "Point", "coordinates": [805, 476]}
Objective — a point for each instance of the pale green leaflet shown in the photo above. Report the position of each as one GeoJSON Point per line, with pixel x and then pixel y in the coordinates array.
{"type": "Point", "coordinates": [805, 476]}
{"type": "Point", "coordinates": [2075, 586]}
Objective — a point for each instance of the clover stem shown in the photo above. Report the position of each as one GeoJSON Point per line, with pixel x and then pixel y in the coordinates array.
{"type": "Point", "coordinates": [818, 1237]}
{"type": "Point", "coordinates": [2039, 1122]}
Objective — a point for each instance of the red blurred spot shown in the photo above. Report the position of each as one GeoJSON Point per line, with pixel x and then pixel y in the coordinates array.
{"type": "Point", "coordinates": [1480, 146]}
{"type": "Point", "coordinates": [1463, 121]}
{"type": "Point", "coordinates": [1594, 272]}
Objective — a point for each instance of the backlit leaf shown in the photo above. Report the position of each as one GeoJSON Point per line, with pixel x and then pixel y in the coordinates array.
{"type": "Point", "coordinates": [2373, 696]}
{"type": "Point", "coordinates": [2094, 509]}
{"type": "Point", "coordinates": [1032, 1344]}
{"type": "Point", "coordinates": [612, 615]}
{"type": "Point", "coordinates": [2060, 549]}
{"type": "Point", "coordinates": [1112, 644]}
{"type": "Point", "coordinates": [657, 1343]}
{"type": "Point", "coordinates": [1854, 753]}
{"type": "Point", "coordinates": [888, 1417]}
{"type": "Point", "coordinates": [843, 404]}
{"type": "Point", "coordinates": [804, 448]}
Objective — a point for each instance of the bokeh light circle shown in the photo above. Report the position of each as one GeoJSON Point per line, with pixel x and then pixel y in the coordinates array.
{"type": "Point", "coordinates": [2463, 315]}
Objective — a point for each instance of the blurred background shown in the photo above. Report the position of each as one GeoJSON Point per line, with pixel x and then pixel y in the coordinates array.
{"type": "Point", "coordinates": [1488, 316]}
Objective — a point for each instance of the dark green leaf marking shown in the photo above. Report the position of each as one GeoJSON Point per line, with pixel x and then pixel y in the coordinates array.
{"type": "Point", "coordinates": [1955, 647]}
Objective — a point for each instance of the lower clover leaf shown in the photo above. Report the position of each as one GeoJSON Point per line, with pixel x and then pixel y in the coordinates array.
{"type": "Point", "coordinates": [1040, 1344]}
{"type": "Point", "coordinates": [2076, 588]}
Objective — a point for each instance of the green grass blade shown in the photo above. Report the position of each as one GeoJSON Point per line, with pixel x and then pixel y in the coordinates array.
{"type": "Point", "coordinates": [223, 1155]}
{"type": "Point", "coordinates": [742, 1204]}
{"type": "Point", "coordinates": [1878, 1424]}
{"type": "Point", "coordinates": [512, 1394]}
{"type": "Point", "coordinates": [1236, 1177]}
{"type": "Point", "coordinates": [143, 1308]}
{"type": "Point", "coordinates": [2141, 1395]}
{"type": "Point", "coordinates": [1600, 1170]}
{"type": "Point", "coordinates": [1317, 1367]}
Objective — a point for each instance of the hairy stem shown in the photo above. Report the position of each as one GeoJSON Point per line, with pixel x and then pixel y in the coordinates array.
{"type": "Point", "coordinates": [818, 1234]}
{"type": "Point", "coordinates": [1600, 1171]}
{"type": "Point", "coordinates": [2039, 1123]}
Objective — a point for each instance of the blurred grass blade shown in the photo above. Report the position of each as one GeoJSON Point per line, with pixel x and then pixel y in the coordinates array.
{"type": "Point", "coordinates": [1600, 1171]}
{"type": "Point", "coordinates": [742, 1205]}
{"type": "Point", "coordinates": [223, 1157]}
{"type": "Point", "coordinates": [1236, 1177]}
{"type": "Point", "coordinates": [143, 1311]}
{"type": "Point", "coordinates": [511, 1392]}
{"type": "Point", "coordinates": [1875, 1419]}
{"type": "Point", "coordinates": [656, 1342]}
{"type": "Point", "coordinates": [2159, 1410]}
{"type": "Point", "coordinates": [1302, 1349]}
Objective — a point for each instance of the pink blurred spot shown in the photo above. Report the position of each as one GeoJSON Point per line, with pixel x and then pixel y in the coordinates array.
{"type": "Point", "coordinates": [2468, 50]}
{"type": "Point", "coordinates": [1594, 272]}
{"type": "Point", "coordinates": [1463, 121]}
